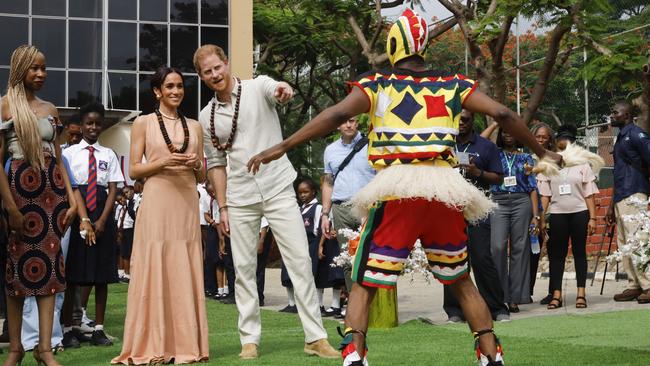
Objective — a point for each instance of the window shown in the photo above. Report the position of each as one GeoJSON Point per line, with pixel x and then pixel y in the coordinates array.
{"type": "Point", "coordinates": [214, 12]}
{"type": "Point", "coordinates": [184, 11]}
{"type": "Point", "coordinates": [86, 8]}
{"type": "Point", "coordinates": [14, 6]}
{"type": "Point", "coordinates": [122, 91]}
{"type": "Point", "coordinates": [153, 10]}
{"type": "Point", "coordinates": [49, 36]}
{"type": "Point", "coordinates": [14, 32]}
{"type": "Point", "coordinates": [190, 101]}
{"type": "Point", "coordinates": [122, 47]}
{"type": "Point", "coordinates": [153, 46]}
{"type": "Point", "coordinates": [214, 35]}
{"type": "Point", "coordinates": [183, 41]}
{"type": "Point", "coordinates": [85, 48]}
{"type": "Point", "coordinates": [48, 7]}
{"type": "Point", "coordinates": [54, 88]}
{"type": "Point", "coordinates": [147, 101]}
{"type": "Point", "coordinates": [122, 9]}
{"type": "Point", "coordinates": [4, 77]}
{"type": "Point", "coordinates": [84, 88]}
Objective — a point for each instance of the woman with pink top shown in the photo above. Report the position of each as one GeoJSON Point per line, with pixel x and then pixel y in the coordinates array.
{"type": "Point", "coordinates": [569, 198]}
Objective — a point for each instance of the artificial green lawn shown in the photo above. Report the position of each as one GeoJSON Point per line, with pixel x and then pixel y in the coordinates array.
{"type": "Point", "coordinates": [616, 338]}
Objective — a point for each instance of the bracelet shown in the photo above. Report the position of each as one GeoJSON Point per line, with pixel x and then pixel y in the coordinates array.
{"type": "Point", "coordinates": [325, 213]}
{"type": "Point", "coordinates": [224, 207]}
{"type": "Point", "coordinates": [537, 217]}
{"type": "Point", "coordinates": [200, 167]}
{"type": "Point", "coordinates": [592, 218]}
{"type": "Point", "coordinates": [85, 219]}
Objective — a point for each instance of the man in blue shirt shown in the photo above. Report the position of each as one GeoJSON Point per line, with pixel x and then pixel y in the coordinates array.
{"type": "Point", "coordinates": [340, 185]}
{"type": "Point", "coordinates": [631, 162]}
{"type": "Point", "coordinates": [484, 168]}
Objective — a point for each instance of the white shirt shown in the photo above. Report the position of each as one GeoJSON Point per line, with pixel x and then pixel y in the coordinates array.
{"type": "Point", "coordinates": [258, 128]}
{"type": "Point", "coordinates": [317, 214]}
{"type": "Point", "coordinates": [204, 203]}
{"type": "Point", "coordinates": [108, 167]}
{"type": "Point", "coordinates": [128, 220]}
{"type": "Point", "coordinates": [215, 210]}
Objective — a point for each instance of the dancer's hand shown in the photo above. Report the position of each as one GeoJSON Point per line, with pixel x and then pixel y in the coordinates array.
{"type": "Point", "coordinates": [283, 92]}
{"type": "Point", "coordinates": [224, 224]}
{"type": "Point", "coordinates": [16, 222]}
{"type": "Point", "coordinates": [265, 157]}
{"type": "Point", "coordinates": [555, 157]}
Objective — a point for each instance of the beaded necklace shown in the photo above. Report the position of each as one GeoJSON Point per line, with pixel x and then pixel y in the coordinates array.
{"type": "Point", "coordinates": [233, 130]}
{"type": "Point", "coordinates": [168, 141]}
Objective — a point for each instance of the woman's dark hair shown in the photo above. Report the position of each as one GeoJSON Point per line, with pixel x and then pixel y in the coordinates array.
{"type": "Point", "coordinates": [158, 78]}
{"type": "Point", "coordinates": [310, 182]}
{"type": "Point", "coordinates": [500, 143]}
{"type": "Point", "coordinates": [90, 108]}
{"type": "Point", "coordinates": [567, 132]}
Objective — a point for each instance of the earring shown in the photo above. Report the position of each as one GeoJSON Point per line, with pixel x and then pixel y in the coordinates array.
{"type": "Point", "coordinates": [157, 96]}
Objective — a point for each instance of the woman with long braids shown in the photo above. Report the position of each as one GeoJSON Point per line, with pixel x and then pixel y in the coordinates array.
{"type": "Point", "coordinates": [38, 198]}
{"type": "Point", "coordinates": [165, 318]}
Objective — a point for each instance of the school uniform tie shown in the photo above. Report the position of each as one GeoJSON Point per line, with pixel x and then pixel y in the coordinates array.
{"type": "Point", "coordinates": [91, 191]}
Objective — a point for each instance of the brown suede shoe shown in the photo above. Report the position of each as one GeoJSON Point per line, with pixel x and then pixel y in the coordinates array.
{"type": "Point", "coordinates": [248, 351]}
{"type": "Point", "coordinates": [644, 298]}
{"type": "Point", "coordinates": [321, 348]}
{"type": "Point", "coordinates": [628, 295]}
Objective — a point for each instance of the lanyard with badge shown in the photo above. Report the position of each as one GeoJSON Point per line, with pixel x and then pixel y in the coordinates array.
{"type": "Point", "coordinates": [463, 156]}
{"type": "Point", "coordinates": [511, 180]}
{"type": "Point", "coordinates": [565, 188]}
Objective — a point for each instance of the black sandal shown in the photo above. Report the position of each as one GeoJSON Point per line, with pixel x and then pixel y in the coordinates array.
{"type": "Point", "coordinates": [581, 305]}
{"type": "Point", "coordinates": [552, 306]}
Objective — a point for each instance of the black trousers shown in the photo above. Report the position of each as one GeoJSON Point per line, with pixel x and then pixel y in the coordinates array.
{"type": "Point", "coordinates": [261, 264]}
{"type": "Point", "coordinates": [485, 273]}
{"type": "Point", "coordinates": [562, 228]}
{"type": "Point", "coordinates": [229, 267]}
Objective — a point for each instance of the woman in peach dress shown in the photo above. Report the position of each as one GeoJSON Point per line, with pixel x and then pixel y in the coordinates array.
{"type": "Point", "coordinates": [165, 318]}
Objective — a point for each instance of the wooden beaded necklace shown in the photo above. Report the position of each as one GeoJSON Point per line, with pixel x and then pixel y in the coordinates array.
{"type": "Point", "coordinates": [233, 130]}
{"type": "Point", "coordinates": [186, 133]}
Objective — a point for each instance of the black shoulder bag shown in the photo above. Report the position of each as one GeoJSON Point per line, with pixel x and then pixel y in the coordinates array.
{"type": "Point", "coordinates": [357, 147]}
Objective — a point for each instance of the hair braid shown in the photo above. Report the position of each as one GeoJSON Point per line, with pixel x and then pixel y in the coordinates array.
{"type": "Point", "coordinates": [25, 120]}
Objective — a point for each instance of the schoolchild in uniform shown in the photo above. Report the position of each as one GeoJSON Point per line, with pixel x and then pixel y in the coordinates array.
{"type": "Point", "coordinates": [215, 275]}
{"type": "Point", "coordinates": [311, 212]}
{"type": "Point", "coordinates": [125, 221]}
{"type": "Point", "coordinates": [96, 170]}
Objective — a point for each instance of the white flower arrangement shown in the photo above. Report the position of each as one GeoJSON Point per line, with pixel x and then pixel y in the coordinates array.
{"type": "Point", "coordinates": [416, 263]}
{"type": "Point", "coordinates": [637, 245]}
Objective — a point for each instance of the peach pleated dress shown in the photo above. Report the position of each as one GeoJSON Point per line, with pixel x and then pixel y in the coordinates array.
{"type": "Point", "coordinates": [165, 317]}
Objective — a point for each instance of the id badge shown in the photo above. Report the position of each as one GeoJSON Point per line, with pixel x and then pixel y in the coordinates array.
{"type": "Point", "coordinates": [565, 189]}
{"type": "Point", "coordinates": [510, 181]}
{"type": "Point", "coordinates": [463, 158]}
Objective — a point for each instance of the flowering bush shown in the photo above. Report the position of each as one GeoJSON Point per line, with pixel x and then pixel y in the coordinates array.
{"type": "Point", "coordinates": [416, 263]}
{"type": "Point", "coordinates": [637, 245]}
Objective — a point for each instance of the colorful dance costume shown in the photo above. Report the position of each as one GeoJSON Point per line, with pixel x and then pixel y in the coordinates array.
{"type": "Point", "coordinates": [416, 193]}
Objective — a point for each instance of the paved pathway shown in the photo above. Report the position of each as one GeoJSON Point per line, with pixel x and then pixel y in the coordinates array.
{"type": "Point", "coordinates": [418, 299]}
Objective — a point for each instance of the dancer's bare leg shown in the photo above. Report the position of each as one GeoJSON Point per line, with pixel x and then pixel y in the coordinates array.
{"type": "Point", "coordinates": [356, 316]}
{"type": "Point", "coordinates": [476, 312]}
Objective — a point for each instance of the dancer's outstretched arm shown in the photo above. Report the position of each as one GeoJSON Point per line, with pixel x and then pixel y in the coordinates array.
{"type": "Point", "coordinates": [328, 120]}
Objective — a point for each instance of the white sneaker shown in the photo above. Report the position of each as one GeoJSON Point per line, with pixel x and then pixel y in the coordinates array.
{"type": "Point", "coordinates": [84, 328]}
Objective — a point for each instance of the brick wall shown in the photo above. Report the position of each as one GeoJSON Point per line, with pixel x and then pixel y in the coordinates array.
{"type": "Point", "coordinates": [603, 200]}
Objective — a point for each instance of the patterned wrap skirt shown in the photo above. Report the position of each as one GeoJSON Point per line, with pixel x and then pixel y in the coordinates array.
{"type": "Point", "coordinates": [35, 263]}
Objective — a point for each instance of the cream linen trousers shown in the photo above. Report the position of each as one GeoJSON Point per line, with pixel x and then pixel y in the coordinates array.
{"type": "Point", "coordinates": [283, 215]}
{"type": "Point", "coordinates": [636, 279]}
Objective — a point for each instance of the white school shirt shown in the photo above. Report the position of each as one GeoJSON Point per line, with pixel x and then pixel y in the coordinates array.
{"type": "Point", "coordinates": [215, 210]}
{"type": "Point", "coordinates": [258, 128]}
{"type": "Point", "coordinates": [319, 210]}
{"type": "Point", "coordinates": [108, 166]}
{"type": "Point", "coordinates": [128, 220]}
{"type": "Point", "coordinates": [204, 203]}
